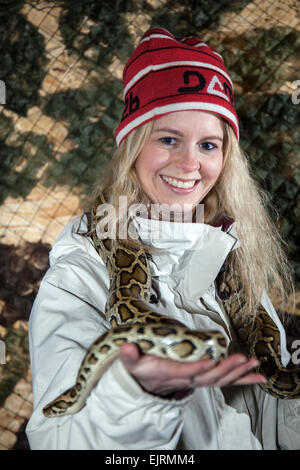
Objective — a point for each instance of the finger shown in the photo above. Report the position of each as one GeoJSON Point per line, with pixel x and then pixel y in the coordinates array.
{"type": "Point", "coordinates": [186, 370]}
{"type": "Point", "coordinates": [177, 375]}
{"type": "Point", "coordinates": [236, 373]}
{"type": "Point", "coordinates": [229, 369]}
{"type": "Point", "coordinates": [129, 355]}
{"type": "Point", "coordinates": [171, 369]}
{"type": "Point", "coordinates": [205, 372]}
{"type": "Point", "coordinates": [249, 379]}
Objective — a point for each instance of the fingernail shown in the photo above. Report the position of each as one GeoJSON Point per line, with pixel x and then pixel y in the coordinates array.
{"type": "Point", "coordinates": [255, 363]}
{"type": "Point", "coordinates": [242, 360]}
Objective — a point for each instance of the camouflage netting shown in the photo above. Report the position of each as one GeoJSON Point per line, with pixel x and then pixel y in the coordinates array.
{"type": "Point", "coordinates": [61, 62]}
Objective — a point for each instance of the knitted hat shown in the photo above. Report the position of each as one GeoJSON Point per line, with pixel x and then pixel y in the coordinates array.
{"type": "Point", "coordinates": [165, 75]}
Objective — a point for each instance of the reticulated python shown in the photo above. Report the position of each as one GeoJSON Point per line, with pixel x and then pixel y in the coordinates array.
{"type": "Point", "coordinates": [132, 320]}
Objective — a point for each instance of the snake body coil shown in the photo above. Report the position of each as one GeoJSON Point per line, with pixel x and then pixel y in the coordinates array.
{"type": "Point", "coordinates": [132, 320]}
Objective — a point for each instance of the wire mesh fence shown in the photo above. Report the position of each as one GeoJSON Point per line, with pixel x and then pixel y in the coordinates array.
{"type": "Point", "coordinates": [61, 64]}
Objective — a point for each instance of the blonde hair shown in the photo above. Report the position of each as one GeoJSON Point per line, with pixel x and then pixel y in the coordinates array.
{"type": "Point", "coordinates": [260, 261]}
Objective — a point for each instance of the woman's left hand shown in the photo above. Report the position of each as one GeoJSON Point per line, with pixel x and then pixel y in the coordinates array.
{"type": "Point", "coordinates": [162, 376]}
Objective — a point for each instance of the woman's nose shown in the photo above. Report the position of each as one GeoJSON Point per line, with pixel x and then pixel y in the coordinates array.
{"type": "Point", "coordinates": [188, 159]}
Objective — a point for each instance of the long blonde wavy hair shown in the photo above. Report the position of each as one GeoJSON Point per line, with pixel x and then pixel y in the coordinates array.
{"type": "Point", "coordinates": [260, 261]}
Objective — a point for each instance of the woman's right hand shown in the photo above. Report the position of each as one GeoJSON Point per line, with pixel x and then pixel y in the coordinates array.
{"type": "Point", "coordinates": [164, 376]}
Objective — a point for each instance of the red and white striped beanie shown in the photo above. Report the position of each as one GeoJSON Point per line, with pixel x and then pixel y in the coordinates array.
{"type": "Point", "coordinates": [165, 74]}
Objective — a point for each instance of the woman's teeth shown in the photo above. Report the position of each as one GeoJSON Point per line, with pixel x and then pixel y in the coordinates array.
{"type": "Point", "coordinates": [179, 184]}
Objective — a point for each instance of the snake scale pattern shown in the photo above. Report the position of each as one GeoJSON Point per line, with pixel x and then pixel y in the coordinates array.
{"type": "Point", "coordinates": [132, 320]}
{"type": "Point", "coordinates": [261, 337]}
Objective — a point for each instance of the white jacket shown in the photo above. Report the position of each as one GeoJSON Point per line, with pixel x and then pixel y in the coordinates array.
{"type": "Point", "coordinates": [67, 317]}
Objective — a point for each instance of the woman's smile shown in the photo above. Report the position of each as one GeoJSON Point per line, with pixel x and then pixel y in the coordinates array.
{"type": "Point", "coordinates": [180, 185]}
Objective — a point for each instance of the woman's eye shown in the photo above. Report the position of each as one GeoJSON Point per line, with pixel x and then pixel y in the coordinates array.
{"type": "Point", "coordinates": [168, 140]}
{"type": "Point", "coordinates": [208, 146]}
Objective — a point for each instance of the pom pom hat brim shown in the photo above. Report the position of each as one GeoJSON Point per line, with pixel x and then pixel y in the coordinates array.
{"type": "Point", "coordinates": [165, 74]}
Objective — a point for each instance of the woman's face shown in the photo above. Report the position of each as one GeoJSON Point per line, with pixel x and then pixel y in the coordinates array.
{"type": "Point", "coordinates": [183, 158]}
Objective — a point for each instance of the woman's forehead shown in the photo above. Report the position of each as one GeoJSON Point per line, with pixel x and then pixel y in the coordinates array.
{"type": "Point", "coordinates": [191, 120]}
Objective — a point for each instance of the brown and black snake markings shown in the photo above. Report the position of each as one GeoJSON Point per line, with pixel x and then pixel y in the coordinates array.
{"type": "Point", "coordinates": [132, 320]}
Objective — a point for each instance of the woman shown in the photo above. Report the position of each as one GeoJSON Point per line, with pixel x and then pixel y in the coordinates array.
{"type": "Point", "coordinates": [178, 147]}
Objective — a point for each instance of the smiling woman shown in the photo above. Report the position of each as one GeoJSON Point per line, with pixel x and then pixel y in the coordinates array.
{"type": "Point", "coordinates": [146, 325]}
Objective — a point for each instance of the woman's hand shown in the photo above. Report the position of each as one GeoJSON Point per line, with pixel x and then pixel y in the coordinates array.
{"type": "Point", "coordinates": [163, 376]}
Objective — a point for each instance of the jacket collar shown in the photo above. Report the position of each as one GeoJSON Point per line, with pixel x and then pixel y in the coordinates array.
{"type": "Point", "coordinates": [190, 255]}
